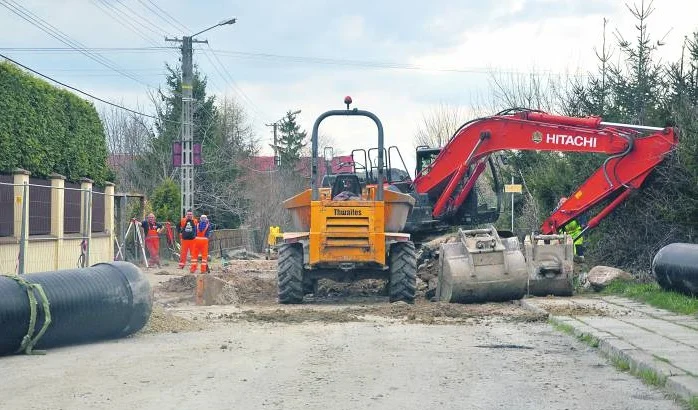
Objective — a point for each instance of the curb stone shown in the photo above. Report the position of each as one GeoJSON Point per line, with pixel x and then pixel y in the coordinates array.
{"type": "Point", "coordinates": [677, 382]}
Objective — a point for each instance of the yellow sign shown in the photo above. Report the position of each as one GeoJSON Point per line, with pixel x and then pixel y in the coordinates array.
{"type": "Point", "coordinates": [18, 199]}
{"type": "Point", "coordinates": [512, 188]}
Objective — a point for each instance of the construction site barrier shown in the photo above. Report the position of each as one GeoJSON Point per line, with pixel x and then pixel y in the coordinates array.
{"type": "Point", "coordinates": [48, 309]}
{"type": "Point", "coordinates": [676, 268]}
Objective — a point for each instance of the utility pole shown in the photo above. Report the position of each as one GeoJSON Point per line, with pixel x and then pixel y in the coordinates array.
{"type": "Point", "coordinates": [275, 146]}
{"type": "Point", "coordinates": [275, 125]}
{"type": "Point", "coordinates": [187, 167]}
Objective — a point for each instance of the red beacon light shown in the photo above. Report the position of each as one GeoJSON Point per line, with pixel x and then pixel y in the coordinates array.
{"type": "Point", "coordinates": [347, 101]}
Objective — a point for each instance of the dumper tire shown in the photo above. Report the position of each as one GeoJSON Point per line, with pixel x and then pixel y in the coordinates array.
{"type": "Point", "coordinates": [403, 272]}
{"type": "Point", "coordinates": [290, 274]}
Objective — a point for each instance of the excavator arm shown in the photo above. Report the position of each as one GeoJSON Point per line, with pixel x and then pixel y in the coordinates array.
{"type": "Point", "coordinates": [633, 152]}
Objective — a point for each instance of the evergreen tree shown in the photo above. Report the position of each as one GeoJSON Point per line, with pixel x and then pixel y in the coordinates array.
{"type": "Point", "coordinates": [291, 140]}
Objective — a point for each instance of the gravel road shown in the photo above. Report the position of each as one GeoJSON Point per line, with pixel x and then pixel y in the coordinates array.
{"type": "Point", "coordinates": [378, 363]}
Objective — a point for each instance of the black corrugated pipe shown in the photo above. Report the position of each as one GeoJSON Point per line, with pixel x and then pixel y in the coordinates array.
{"type": "Point", "coordinates": [107, 300]}
{"type": "Point", "coordinates": [676, 268]}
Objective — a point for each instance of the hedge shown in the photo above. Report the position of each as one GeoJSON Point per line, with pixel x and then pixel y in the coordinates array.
{"type": "Point", "coordinates": [44, 129]}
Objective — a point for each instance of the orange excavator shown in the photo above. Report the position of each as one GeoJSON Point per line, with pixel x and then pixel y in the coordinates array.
{"type": "Point", "coordinates": [484, 264]}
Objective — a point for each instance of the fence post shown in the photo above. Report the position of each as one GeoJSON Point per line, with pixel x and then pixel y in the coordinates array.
{"type": "Point", "coordinates": [86, 215]}
{"type": "Point", "coordinates": [21, 223]}
{"type": "Point", "coordinates": [109, 224]}
{"type": "Point", "coordinates": [57, 214]}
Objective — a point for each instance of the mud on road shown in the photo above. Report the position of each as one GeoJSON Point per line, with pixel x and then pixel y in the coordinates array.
{"type": "Point", "coordinates": [254, 284]}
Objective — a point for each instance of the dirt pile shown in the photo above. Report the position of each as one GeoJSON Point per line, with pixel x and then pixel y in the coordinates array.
{"type": "Point", "coordinates": [419, 313]}
{"type": "Point", "coordinates": [181, 284]}
{"type": "Point", "coordinates": [162, 321]}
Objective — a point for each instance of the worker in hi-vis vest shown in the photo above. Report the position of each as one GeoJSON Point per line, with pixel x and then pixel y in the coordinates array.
{"type": "Point", "coordinates": [203, 233]}
{"type": "Point", "coordinates": [187, 233]}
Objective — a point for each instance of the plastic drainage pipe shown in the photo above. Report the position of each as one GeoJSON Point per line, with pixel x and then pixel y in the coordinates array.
{"type": "Point", "coordinates": [107, 300]}
{"type": "Point", "coordinates": [676, 268]}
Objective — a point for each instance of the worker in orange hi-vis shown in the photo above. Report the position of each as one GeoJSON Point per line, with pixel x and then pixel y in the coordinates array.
{"type": "Point", "coordinates": [203, 233]}
{"type": "Point", "coordinates": [152, 231]}
{"type": "Point", "coordinates": [187, 233]}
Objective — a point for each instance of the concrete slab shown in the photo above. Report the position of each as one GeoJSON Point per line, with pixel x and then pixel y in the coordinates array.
{"type": "Point", "coordinates": [685, 387]}
{"type": "Point", "coordinates": [641, 361]}
{"type": "Point", "coordinates": [639, 337]}
{"type": "Point", "coordinates": [670, 330]}
{"type": "Point", "coordinates": [647, 338]}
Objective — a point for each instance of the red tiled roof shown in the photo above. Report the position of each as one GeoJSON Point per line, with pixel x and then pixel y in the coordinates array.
{"type": "Point", "coordinates": [338, 164]}
{"type": "Point", "coordinates": [119, 160]}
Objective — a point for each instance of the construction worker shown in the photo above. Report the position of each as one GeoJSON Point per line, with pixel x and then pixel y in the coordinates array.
{"type": "Point", "coordinates": [187, 233]}
{"type": "Point", "coordinates": [203, 233]}
{"type": "Point", "coordinates": [574, 229]}
{"type": "Point", "coordinates": [152, 230]}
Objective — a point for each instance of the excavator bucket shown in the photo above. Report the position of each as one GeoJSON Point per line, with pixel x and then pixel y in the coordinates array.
{"type": "Point", "coordinates": [481, 267]}
{"type": "Point", "coordinates": [549, 259]}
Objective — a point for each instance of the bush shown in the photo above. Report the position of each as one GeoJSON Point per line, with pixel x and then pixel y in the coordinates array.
{"type": "Point", "coordinates": [166, 200]}
{"type": "Point", "coordinates": [44, 129]}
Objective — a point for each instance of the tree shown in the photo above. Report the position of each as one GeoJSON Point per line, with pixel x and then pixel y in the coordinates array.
{"type": "Point", "coordinates": [220, 188]}
{"type": "Point", "coordinates": [438, 125]}
{"type": "Point", "coordinates": [165, 201]}
{"type": "Point", "coordinates": [128, 138]}
{"type": "Point", "coordinates": [291, 140]}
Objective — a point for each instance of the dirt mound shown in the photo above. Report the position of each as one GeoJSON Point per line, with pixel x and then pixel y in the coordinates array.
{"type": "Point", "coordinates": [419, 313]}
{"type": "Point", "coordinates": [453, 313]}
{"type": "Point", "coordinates": [162, 321]}
{"type": "Point", "coordinates": [296, 316]}
{"type": "Point", "coordinates": [252, 289]}
{"type": "Point", "coordinates": [186, 283]}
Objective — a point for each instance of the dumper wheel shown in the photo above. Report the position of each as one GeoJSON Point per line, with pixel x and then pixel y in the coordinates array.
{"type": "Point", "coordinates": [290, 274]}
{"type": "Point", "coordinates": [403, 272]}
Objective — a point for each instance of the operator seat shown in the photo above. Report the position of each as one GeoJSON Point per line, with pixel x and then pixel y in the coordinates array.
{"type": "Point", "coordinates": [348, 182]}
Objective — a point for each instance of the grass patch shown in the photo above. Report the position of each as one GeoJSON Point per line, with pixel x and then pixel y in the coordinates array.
{"type": "Point", "coordinates": [653, 294]}
{"type": "Point", "coordinates": [563, 327]}
{"type": "Point", "coordinates": [589, 339]}
{"type": "Point", "coordinates": [620, 363]}
{"type": "Point", "coordinates": [652, 378]}
{"type": "Point", "coordinates": [693, 403]}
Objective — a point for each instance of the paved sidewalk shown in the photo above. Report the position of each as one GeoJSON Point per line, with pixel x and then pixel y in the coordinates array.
{"type": "Point", "coordinates": [649, 339]}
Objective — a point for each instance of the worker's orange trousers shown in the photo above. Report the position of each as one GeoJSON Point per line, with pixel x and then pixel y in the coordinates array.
{"type": "Point", "coordinates": [188, 247]}
{"type": "Point", "coordinates": [201, 249]}
{"type": "Point", "coordinates": [153, 245]}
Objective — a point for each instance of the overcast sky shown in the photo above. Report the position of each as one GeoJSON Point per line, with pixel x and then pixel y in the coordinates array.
{"type": "Point", "coordinates": [449, 46]}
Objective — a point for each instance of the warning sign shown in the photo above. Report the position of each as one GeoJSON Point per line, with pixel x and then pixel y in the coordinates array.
{"type": "Point", "coordinates": [512, 188]}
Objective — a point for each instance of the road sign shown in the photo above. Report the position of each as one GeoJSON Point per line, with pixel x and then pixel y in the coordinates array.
{"type": "Point", "coordinates": [512, 188]}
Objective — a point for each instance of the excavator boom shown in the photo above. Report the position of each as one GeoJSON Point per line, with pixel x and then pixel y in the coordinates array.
{"type": "Point", "coordinates": [482, 265]}
{"type": "Point", "coordinates": [632, 156]}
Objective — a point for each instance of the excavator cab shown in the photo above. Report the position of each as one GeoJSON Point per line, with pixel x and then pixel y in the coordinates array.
{"type": "Point", "coordinates": [483, 204]}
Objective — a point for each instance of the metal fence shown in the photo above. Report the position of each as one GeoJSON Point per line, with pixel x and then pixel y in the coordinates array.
{"type": "Point", "coordinates": [50, 225]}
{"type": "Point", "coordinates": [131, 248]}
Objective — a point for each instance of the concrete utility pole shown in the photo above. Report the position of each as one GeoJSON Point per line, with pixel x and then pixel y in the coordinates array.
{"type": "Point", "coordinates": [275, 146]}
{"type": "Point", "coordinates": [276, 152]}
{"type": "Point", "coordinates": [187, 167]}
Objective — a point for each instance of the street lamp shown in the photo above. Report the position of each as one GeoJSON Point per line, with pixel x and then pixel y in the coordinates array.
{"type": "Point", "coordinates": [187, 142]}
{"type": "Point", "coordinates": [222, 23]}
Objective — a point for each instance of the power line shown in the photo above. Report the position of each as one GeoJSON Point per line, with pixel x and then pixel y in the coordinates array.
{"type": "Point", "coordinates": [54, 32]}
{"type": "Point", "coordinates": [72, 50]}
{"type": "Point", "coordinates": [232, 82]}
{"type": "Point", "coordinates": [120, 17]}
{"type": "Point", "coordinates": [166, 17]}
{"type": "Point", "coordinates": [83, 92]}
